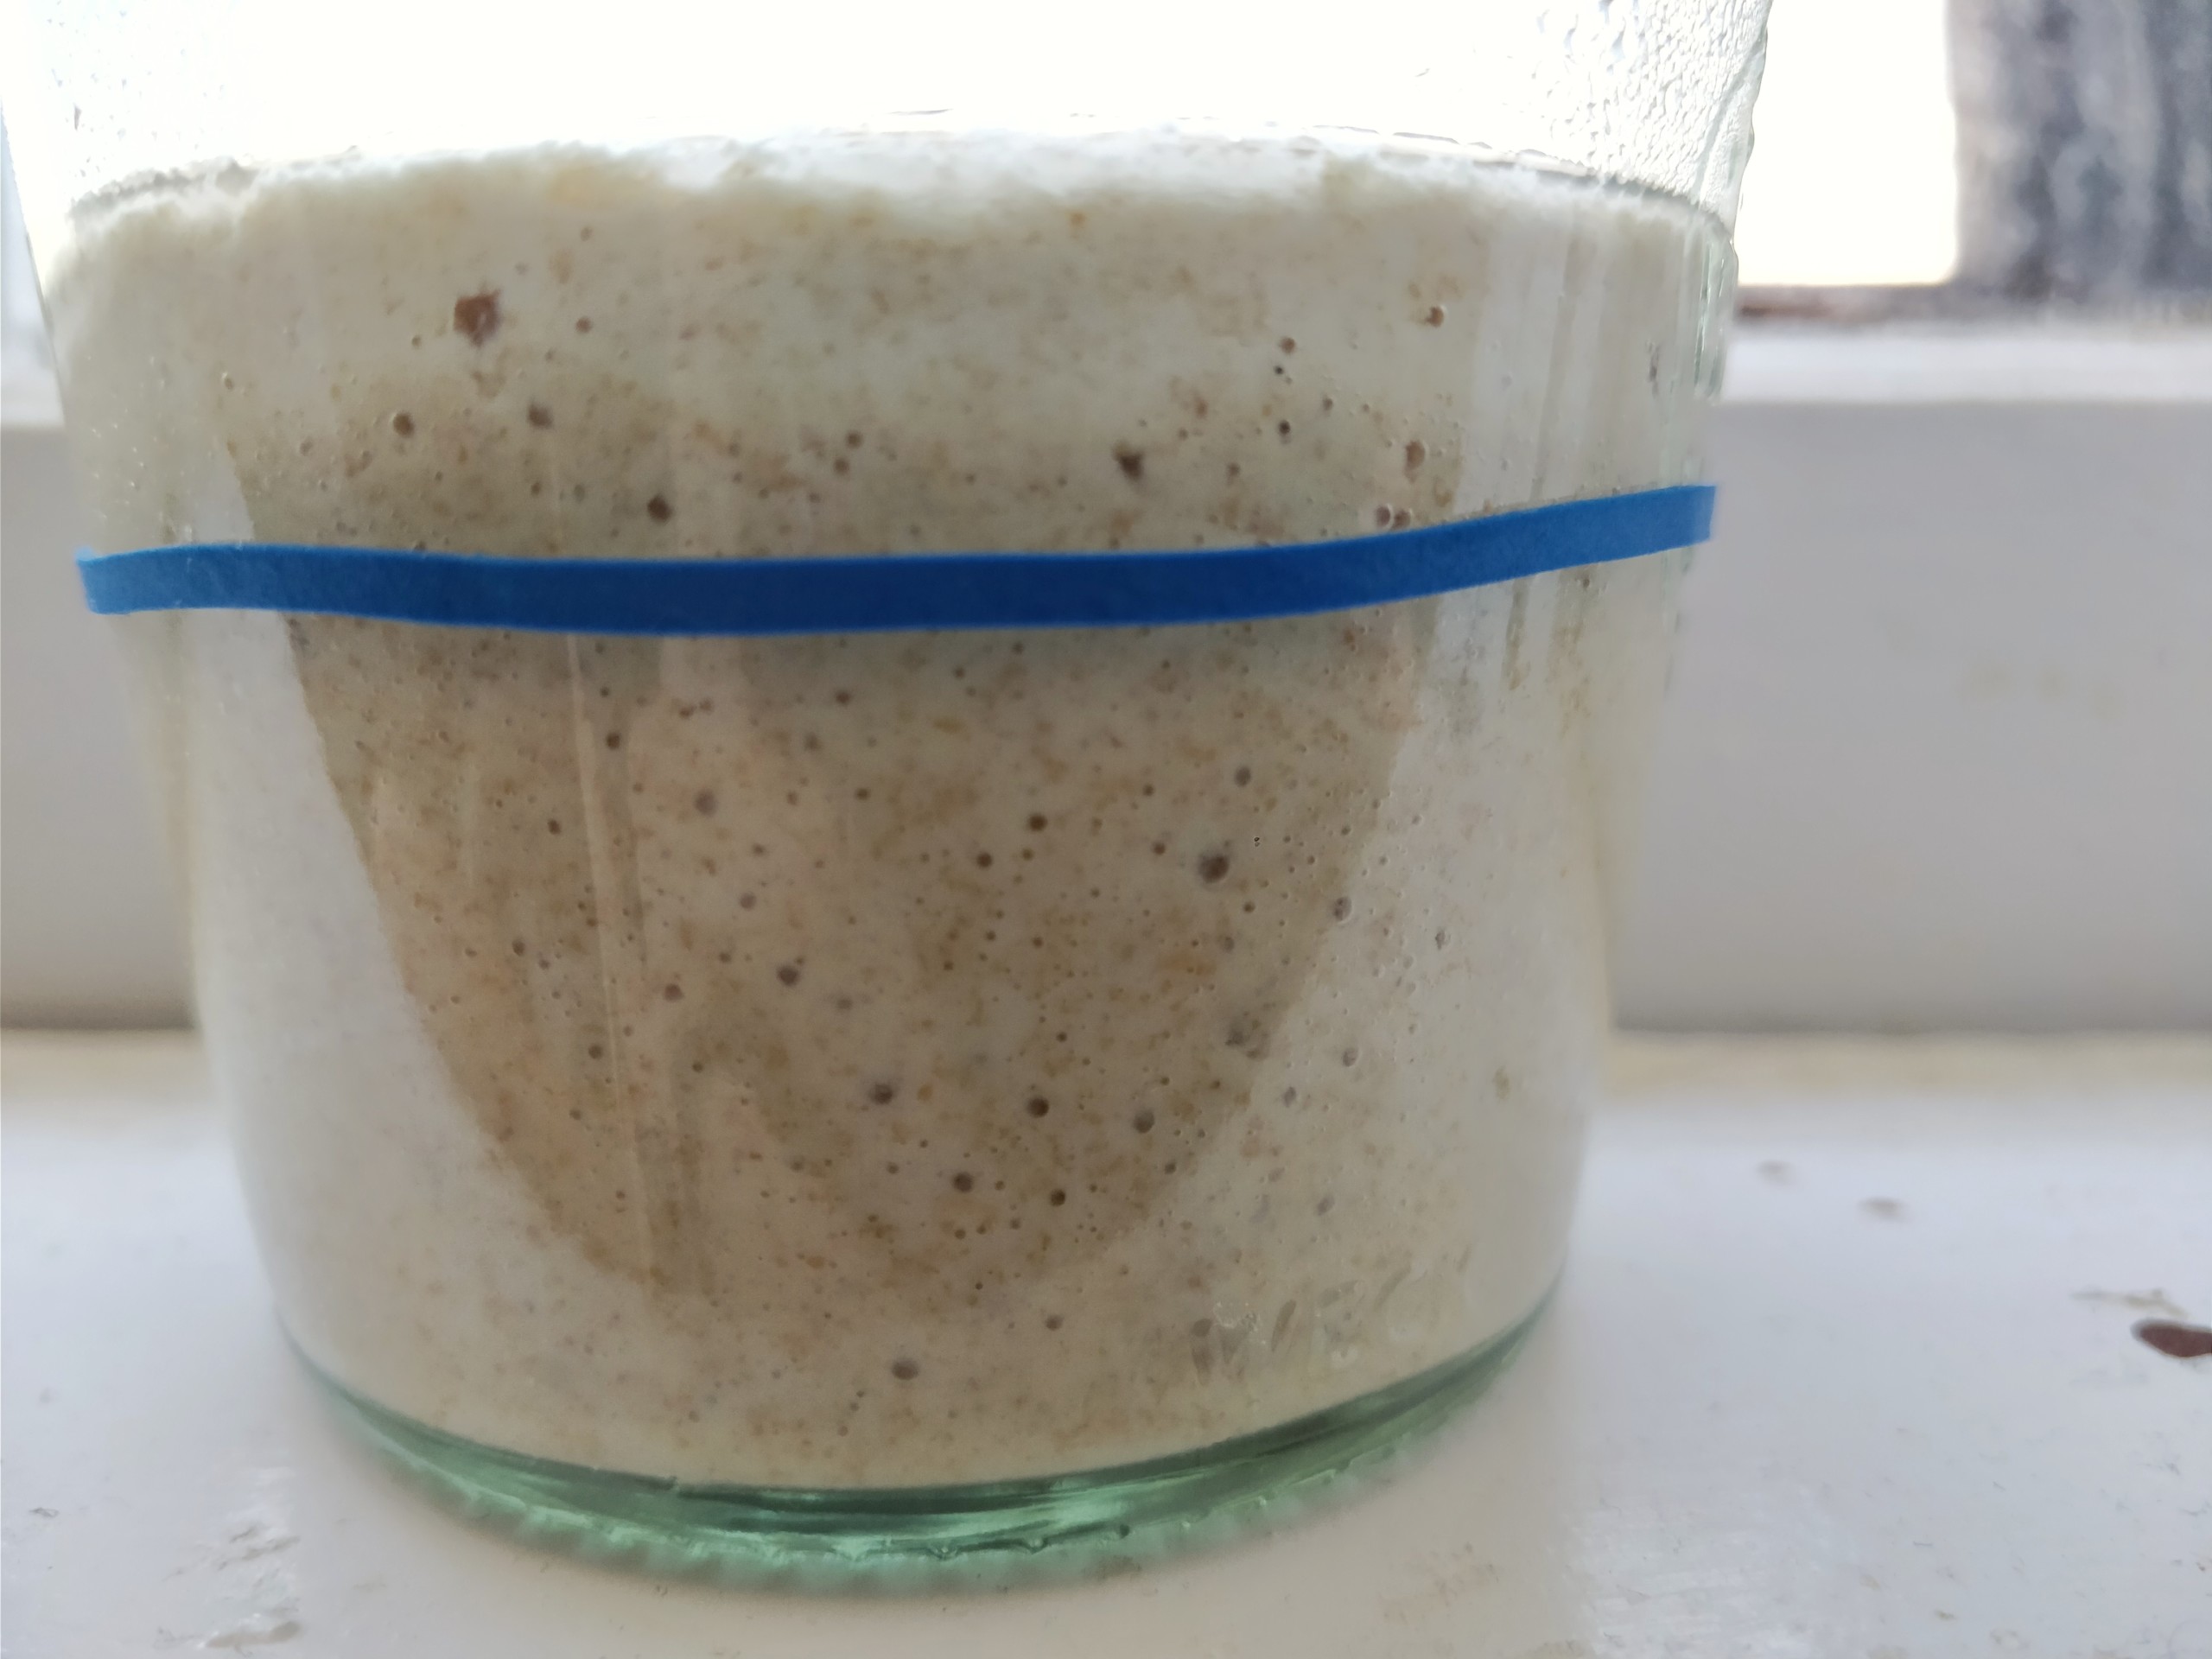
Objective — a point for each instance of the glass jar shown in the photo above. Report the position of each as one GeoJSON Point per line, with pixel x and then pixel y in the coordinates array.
{"type": "Point", "coordinates": [860, 1094]}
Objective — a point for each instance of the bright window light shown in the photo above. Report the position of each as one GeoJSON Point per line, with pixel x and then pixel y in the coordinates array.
{"type": "Point", "coordinates": [1854, 176]}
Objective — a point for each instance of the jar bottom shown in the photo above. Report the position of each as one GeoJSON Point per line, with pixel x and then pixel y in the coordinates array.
{"type": "Point", "coordinates": [1073, 1525]}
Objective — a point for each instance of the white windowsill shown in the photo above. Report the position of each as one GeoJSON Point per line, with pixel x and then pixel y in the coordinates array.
{"type": "Point", "coordinates": [29, 397]}
{"type": "Point", "coordinates": [1779, 362]}
{"type": "Point", "coordinates": [1843, 1365]}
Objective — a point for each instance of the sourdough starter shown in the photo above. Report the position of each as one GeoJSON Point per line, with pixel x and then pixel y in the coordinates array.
{"type": "Point", "coordinates": [908, 1057]}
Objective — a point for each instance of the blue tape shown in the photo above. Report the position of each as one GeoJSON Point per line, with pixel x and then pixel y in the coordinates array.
{"type": "Point", "coordinates": [880, 593]}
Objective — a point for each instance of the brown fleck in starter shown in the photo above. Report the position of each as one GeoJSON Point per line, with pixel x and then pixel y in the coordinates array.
{"type": "Point", "coordinates": [477, 316]}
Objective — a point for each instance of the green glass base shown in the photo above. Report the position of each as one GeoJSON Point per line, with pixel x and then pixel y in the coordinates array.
{"type": "Point", "coordinates": [904, 1537]}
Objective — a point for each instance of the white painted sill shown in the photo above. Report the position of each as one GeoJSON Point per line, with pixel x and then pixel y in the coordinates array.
{"type": "Point", "coordinates": [1843, 1364]}
{"type": "Point", "coordinates": [1912, 364]}
{"type": "Point", "coordinates": [30, 398]}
